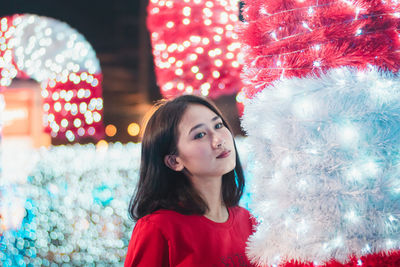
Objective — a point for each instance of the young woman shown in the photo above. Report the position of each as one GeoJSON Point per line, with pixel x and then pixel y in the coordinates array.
{"type": "Point", "coordinates": [191, 180]}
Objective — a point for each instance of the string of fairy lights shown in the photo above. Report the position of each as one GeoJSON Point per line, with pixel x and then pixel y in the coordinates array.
{"type": "Point", "coordinates": [7, 68]}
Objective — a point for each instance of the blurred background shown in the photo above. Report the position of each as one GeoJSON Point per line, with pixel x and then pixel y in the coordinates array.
{"type": "Point", "coordinates": [117, 32]}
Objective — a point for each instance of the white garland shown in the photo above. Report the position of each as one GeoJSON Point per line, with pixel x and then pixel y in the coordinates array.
{"type": "Point", "coordinates": [327, 166]}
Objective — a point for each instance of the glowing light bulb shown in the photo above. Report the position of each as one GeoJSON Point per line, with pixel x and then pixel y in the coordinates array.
{"type": "Point", "coordinates": [215, 74]}
{"type": "Point", "coordinates": [46, 107]}
{"type": "Point", "coordinates": [57, 106]}
{"type": "Point", "coordinates": [207, 12]}
{"type": "Point", "coordinates": [81, 131]}
{"type": "Point", "coordinates": [179, 63]}
{"type": "Point", "coordinates": [193, 57]}
{"type": "Point", "coordinates": [199, 76]}
{"type": "Point", "coordinates": [371, 168]}
{"type": "Point", "coordinates": [186, 11]}
{"type": "Point", "coordinates": [317, 63]}
{"type": "Point", "coordinates": [199, 50]}
{"type": "Point", "coordinates": [171, 60]}
{"type": "Point", "coordinates": [64, 123]}
{"type": "Point", "coordinates": [305, 107]}
{"type": "Point", "coordinates": [189, 89]}
{"type": "Point", "coordinates": [133, 129]}
{"type": "Point", "coordinates": [273, 35]}
{"type": "Point", "coordinates": [96, 117]}
{"type": "Point", "coordinates": [302, 227]}
{"type": "Point", "coordinates": [55, 96]}
{"type": "Point", "coordinates": [218, 63]}
{"type": "Point", "coordinates": [286, 162]}
{"type": "Point", "coordinates": [168, 86]}
{"type": "Point", "coordinates": [354, 174]}
{"type": "Point", "coordinates": [217, 38]}
{"type": "Point", "coordinates": [352, 217]}
{"type": "Point", "coordinates": [205, 86]}
{"type": "Point", "coordinates": [207, 22]}
{"type": "Point", "coordinates": [195, 69]}
{"type": "Point", "coordinates": [180, 86]}
{"type": "Point", "coordinates": [305, 25]}
{"type": "Point", "coordinates": [169, 4]}
{"type": "Point", "coordinates": [348, 134]}
{"type": "Point", "coordinates": [77, 123]}
{"type": "Point", "coordinates": [70, 136]}
{"type": "Point", "coordinates": [209, 4]}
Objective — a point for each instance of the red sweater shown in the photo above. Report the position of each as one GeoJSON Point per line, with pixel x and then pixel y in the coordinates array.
{"type": "Point", "coordinates": [168, 238]}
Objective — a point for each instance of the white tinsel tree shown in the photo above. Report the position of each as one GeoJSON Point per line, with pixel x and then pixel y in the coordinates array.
{"type": "Point", "coordinates": [323, 121]}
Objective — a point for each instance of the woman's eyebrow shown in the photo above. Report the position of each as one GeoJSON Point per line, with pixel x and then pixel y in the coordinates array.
{"type": "Point", "coordinates": [202, 124]}
{"type": "Point", "coordinates": [215, 118]}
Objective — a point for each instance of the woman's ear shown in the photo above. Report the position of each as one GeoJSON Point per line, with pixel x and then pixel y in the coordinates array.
{"type": "Point", "coordinates": [173, 163]}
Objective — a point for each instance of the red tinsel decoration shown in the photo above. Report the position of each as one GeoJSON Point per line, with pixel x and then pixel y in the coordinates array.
{"type": "Point", "coordinates": [296, 38]}
{"type": "Point", "coordinates": [195, 47]}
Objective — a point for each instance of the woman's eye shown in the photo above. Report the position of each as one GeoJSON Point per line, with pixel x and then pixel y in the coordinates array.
{"type": "Point", "coordinates": [199, 135]}
{"type": "Point", "coordinates": [219, 125]}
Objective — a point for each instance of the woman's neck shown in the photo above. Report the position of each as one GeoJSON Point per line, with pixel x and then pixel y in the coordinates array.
{"type": "Point", "coordinates": [210, 190]}
{"type": "Point", "coordinates": [217, 214]}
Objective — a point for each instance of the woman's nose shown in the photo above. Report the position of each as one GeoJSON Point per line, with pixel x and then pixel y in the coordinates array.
{"type": "Point", "coordinates": [217, 141]}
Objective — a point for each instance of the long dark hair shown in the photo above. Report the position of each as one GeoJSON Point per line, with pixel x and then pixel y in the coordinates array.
{"type": "Point", "coordinates": [160, 187]}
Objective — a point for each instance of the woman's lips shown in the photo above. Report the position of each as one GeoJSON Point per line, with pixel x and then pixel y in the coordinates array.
{"type": "Point", "coordinates": [224, 154]}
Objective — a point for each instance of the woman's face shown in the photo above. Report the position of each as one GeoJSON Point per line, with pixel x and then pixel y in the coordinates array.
{"type": "Point", "coordinates": [205, 145]}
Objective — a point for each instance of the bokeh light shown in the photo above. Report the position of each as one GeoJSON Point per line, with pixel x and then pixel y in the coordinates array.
{"type": "Point", "coordinates": [111, 130]}
{"type": "Point", "coordinates": [133, 129]}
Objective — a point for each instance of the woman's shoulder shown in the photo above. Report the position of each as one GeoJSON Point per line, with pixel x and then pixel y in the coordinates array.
{"type": "Point", "coordinates": [162, 217]}
{"type": "Point", "coordinates": [238, 210]}
{"type": "Point", "coordinates": [243, 214]}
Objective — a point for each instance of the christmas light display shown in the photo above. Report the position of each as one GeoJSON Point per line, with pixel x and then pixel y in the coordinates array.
{"type": "Point", "coordinates": [323, 124]}
{"type": "Point", "coordinates": [76, 204]}
{"type": "Point", "coordinates": [195, 46]}
{"type": "Point", "coordinates": [8, 70]}
{"type": "Point", "coordinates": [57, 56]}
{"type": "Point", "coordinates": [2, 107]}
